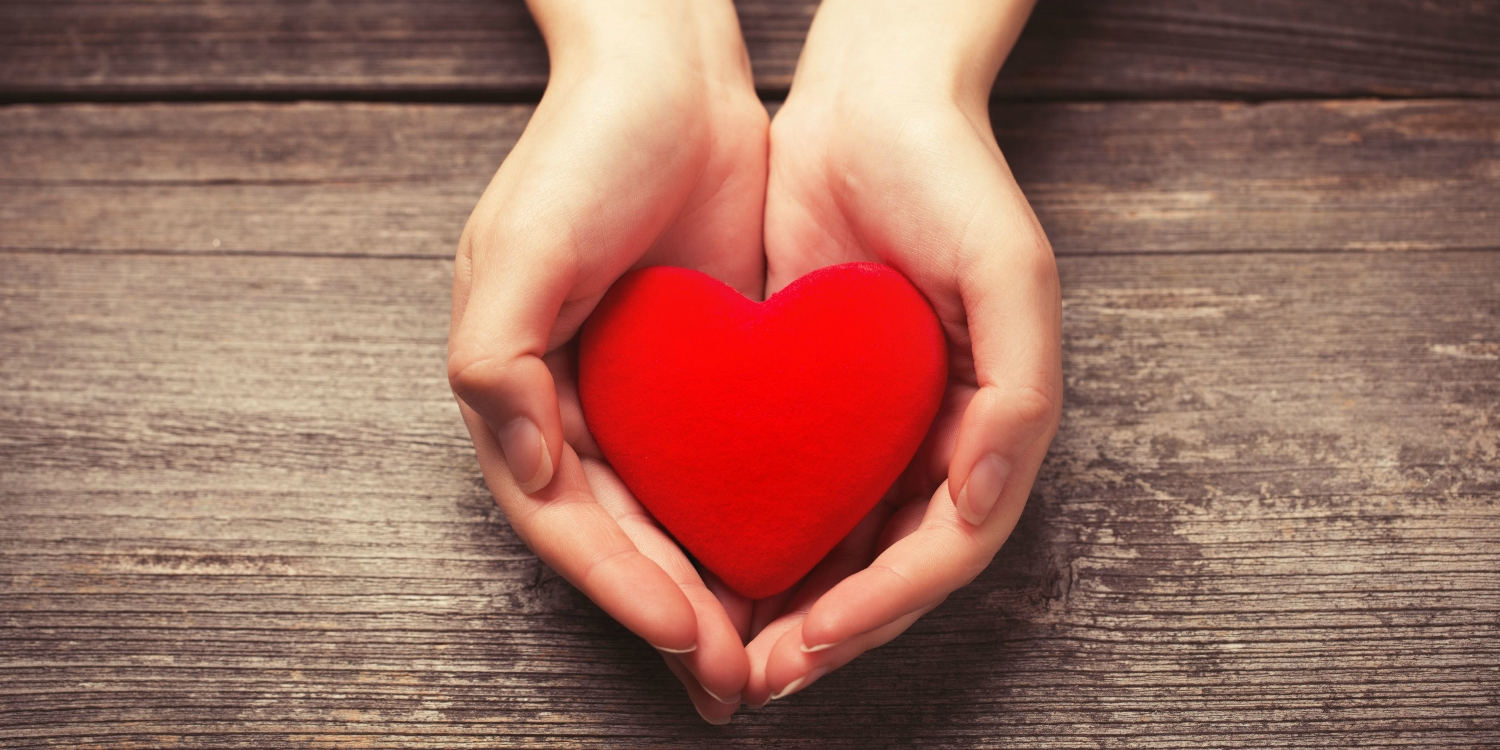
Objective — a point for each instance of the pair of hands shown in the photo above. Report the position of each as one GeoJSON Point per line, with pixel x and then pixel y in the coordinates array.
{"type": "Point", "coordinates": [650, 147]}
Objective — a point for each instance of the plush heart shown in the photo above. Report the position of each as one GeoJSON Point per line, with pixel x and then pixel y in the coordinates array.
{"type": "Point", "coordinates": [759, 434]}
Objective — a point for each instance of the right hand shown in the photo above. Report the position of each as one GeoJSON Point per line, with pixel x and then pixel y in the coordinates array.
{"type": "Point", "coordinates": [648, 148]}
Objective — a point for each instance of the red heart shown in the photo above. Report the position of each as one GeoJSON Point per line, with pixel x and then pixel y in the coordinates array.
{"type": "Point", "coordinates": [760, 434]}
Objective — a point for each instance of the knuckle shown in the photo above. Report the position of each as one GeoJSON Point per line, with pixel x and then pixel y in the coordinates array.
{"type": "Point", "coordinates": [1038, 262]}
{"type": "Point", "coordinates": [465, 251]}
{"type": "Point", "coordinates": [471, 370]}
{"type": "Point", "coordinates": [970, 557]}
{"type": "Point", "coordinates": [598, 564]}
{"type": "Point", "coordinates": [900, 578]}
{"type": "Point", "coordinates": [1033, 406]}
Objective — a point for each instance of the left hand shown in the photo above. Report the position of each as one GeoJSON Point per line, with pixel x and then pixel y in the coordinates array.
{"type": "Point", "coordinates": [884, 152]}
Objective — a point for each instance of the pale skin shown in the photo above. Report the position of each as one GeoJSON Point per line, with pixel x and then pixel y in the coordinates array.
{"type": "Point", "coordinates": [650, 147]}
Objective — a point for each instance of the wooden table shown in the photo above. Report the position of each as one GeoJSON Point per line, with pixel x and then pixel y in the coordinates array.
{"type": "Point", "coordinates": [238, 508]}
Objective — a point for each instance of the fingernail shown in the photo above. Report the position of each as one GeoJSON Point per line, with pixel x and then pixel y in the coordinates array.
{"type": "Point", "coordinates": [983, 488]}
{"type": "Point", "coordinates": [526, 454]}
{"type": "Point", "coordinates": [688, 650]}
{"type": "Point", "coordinates": [733, 700]}
{"type": "Point", "coordinates": [806, 649]}
{"type": "Point", "coordinates": [800, 682]}
{"type": "Point", "coordinates": [715, 722]}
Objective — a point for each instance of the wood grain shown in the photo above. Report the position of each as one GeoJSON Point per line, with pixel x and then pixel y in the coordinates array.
{"type": "Point", "coordinates": [387, 179]}
{"type": "Point", "coordinates": [237, 508]}
{"type": "Point", "coordinates": [487, 48]}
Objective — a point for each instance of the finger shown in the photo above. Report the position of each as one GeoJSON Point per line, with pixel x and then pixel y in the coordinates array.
{"type": "Point", "coordinates": [851, 554]}
{"type": "Point", "coordinates": [791, 670]}
{"type": "Point", "coordinates": [719, 662]}
{"type": "Point", "coordinates": [906, 519]}
{"type": "Point", "coordinates": [1012, 299]}
{"type": "Point", "coordinates": [561, 363]}
{"type": "Point", "coordinates": [766, 611]}
{"type": "Point", "coordinates": [757, 690]}
{"type": "Point", "coordinates": [915, 572]}
{"type": "Point", "coordinates": [929, 467]}
{"type": "Point", "coordinates": [736, 605]}
{"type": "Point", "coordinates": [710, 708]}
{"type": "Point", "coordinates": [571, 532]}
{"type": "Point", "coordinates": [505, 306]}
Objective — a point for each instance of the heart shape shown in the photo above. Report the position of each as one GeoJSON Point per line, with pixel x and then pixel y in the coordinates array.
{"type": "Point", "coordinates": [759, 434]}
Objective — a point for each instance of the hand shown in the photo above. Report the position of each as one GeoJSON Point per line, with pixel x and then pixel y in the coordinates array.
{"type": "Point", "coordinates": [884, 152]}
{"type": "Point", "coordinates": [648, 148]}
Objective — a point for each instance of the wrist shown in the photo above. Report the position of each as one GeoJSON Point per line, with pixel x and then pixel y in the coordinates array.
{"type": "Point", "coordinates": [647, 41]}
{"type": "Point", "coordinates": [908, 52]}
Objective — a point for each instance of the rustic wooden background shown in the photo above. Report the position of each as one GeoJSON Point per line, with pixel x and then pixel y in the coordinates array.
{"type": "Point", "coordinates": [238, 508]}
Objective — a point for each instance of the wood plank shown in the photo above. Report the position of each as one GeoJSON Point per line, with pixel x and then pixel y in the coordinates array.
{"type": "Point", "coordinates": [383, 179]}
{"type": "Point", "coordinates": [487, 48]}
{"type": "Point", "coordinates": [237, 509]}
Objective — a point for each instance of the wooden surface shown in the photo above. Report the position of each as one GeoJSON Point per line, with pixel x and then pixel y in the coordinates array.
{"type": "Point", "coordinates": [489, 48]}
{"type": "Point", "coordinates": [238, 508]}
{"type": "Point", "coordinates": [237, 500]}
{"type": "Point", "coordinates": [400, 179]}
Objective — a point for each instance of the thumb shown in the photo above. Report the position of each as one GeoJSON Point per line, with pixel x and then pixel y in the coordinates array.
{"type": "Point", "coordinates": [504, 310]}
{"type": "Point", "coordinates": [1014, 310]}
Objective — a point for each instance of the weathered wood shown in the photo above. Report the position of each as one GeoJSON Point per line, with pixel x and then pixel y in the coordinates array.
{"type": "Point", "coordinates": [237, 509]}
{"type": "Point", "coordinates": [384, 179]}
{"type": "Point", "coordinates": [1072, 48]}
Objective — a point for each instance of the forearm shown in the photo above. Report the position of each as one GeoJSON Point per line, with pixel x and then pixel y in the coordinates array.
{"type": "Point", "coordinates": [911, 48]}
{"type": "Point", "coordinates": [682, 38]}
